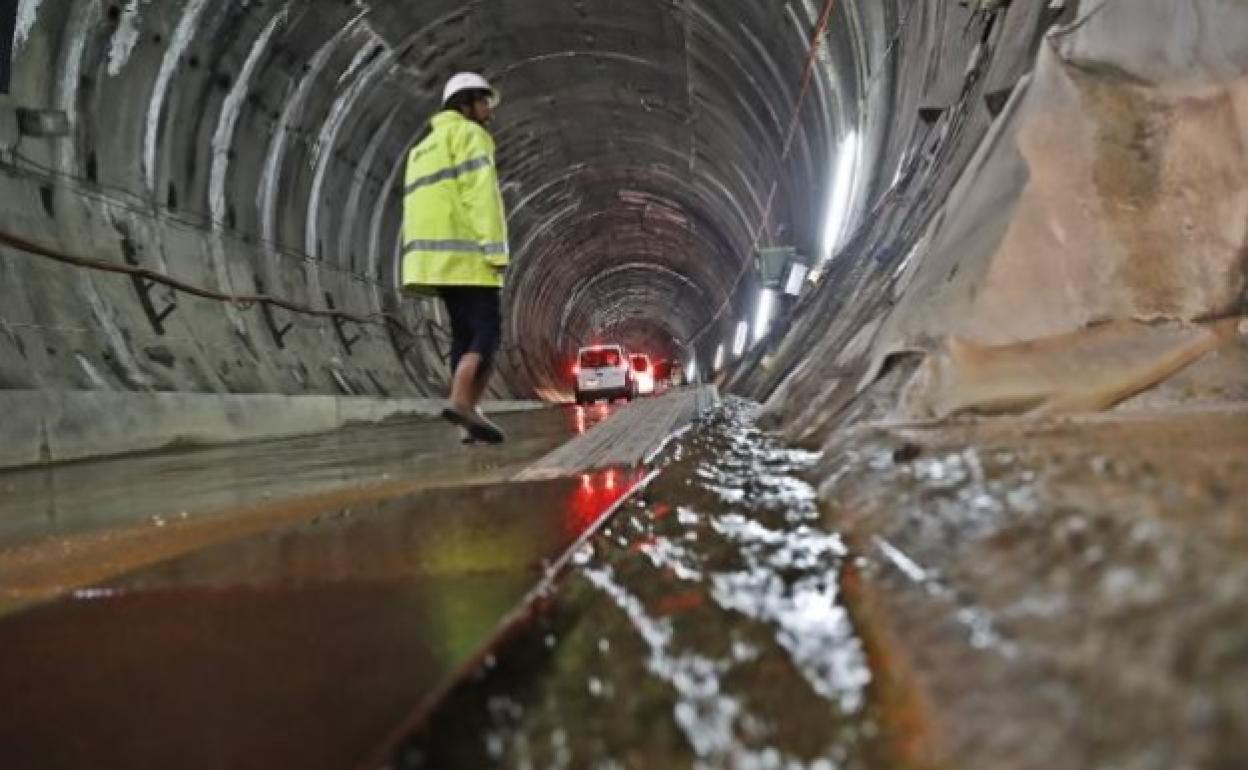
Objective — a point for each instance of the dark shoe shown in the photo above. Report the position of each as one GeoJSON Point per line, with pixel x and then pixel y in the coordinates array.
{"type": "Point", "coordinates": [491, 425]}
{"type": "Point", "coordinates": [477, 427]}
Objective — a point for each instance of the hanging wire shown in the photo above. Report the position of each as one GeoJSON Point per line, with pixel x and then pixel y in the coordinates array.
{"type": "Point", "coordinates": [243, 301]}
{"type": "Point", "coordinates": [816, 42]}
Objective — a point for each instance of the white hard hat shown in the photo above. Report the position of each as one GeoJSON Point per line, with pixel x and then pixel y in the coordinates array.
{"type": "Point", "coordinates": [469, 81]}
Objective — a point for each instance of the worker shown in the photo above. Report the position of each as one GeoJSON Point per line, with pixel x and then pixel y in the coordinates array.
{"type": "Point", "coordinates": [455, 240]}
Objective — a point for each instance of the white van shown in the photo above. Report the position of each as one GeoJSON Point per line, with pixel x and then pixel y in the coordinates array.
{"type": "Point", "coordinates": [603, 371]}
{"type": "Point", "coordinates": [643, 374]}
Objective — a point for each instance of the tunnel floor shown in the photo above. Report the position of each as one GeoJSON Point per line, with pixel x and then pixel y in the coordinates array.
{"type": "Point", "coordinates": [282, 603]}
{"type": "Point", "coordinates": [1029, 595]}
{"type": "Point", "coordinates": [979, 594]}
{"type": "Point", "coordinates": [70, 524]}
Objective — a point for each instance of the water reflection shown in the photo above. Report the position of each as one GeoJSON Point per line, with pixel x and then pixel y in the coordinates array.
{"type": "Point", "coordinates": [296, 648]}
{"type": "Point", "coordinates": [596, 492]}
{"type": "Point", "coordinates": [711, 614]}
{"type": "Point", "coordinates": [586, 417]}
{"type": "Point", "coordinates": [152, 490]}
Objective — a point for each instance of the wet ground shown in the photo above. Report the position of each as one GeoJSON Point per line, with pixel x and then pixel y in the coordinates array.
{"type": "Point", "coordinates": [301, 647]}
{"type": "Point", "coordinates": [997, 593]}
{"type": "Point", "coordinates": [280, 604]}
{"type": "Point", "coordinates": [989, 594]}
{"type": "Point", "coordinates": [707, 626]}
{"type": "Point", "coordinates": [72, 524]}
{"type": "Point", "coordinates": [1064, 592]}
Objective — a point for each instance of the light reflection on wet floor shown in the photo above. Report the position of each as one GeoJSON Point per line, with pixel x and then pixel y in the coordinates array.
{"type": "Point", "coordinates": [163, 487]}
{"type": "Point", "coordinates": [704, 628]}
{"type": "Point", "coordinates": [301, 647]}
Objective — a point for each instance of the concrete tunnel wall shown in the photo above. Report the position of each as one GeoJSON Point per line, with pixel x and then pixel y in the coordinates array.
{"type": "Point", "coordinates": [646, 149]}
{"type": "Point", "coordinates": [1073, 238]}
{"type": "Point", "coordinates": [256, 148]}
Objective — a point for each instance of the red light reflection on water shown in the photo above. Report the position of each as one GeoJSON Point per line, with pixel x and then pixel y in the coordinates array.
{"type": "Point", "coordinates": [596, 492]}
{"type": "Point", "coordinates": [586, 417]}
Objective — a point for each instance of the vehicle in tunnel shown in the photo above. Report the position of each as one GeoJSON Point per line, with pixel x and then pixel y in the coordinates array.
{"type": "Point", "coordinates": [1003, 355]}
{"type": "Point", "coordinates": [643, 374]}
{"type": "Point", "coordinates": [603, 371]}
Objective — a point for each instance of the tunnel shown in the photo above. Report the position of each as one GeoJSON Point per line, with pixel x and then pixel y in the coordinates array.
{"type": "Point", "coordinates": [648, 156]}
{"type": "Point", "coordinates": [256, 149]}
{"type": "Point", "coordinates": [954, 295]}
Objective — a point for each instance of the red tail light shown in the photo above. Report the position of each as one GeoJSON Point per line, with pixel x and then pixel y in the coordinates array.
{"type": "Point", "coordinates": [576, 369]}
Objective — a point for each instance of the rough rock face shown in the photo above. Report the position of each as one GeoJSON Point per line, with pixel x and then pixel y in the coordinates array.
{"type": "Point", "coordinates": [1103, 214]}
{"type": "Point", "coordinates": [1085, 370]}
{"type": "Point", "coordinates": [1136, 207]}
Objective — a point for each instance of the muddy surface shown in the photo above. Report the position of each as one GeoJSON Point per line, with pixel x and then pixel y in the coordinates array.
{"type": "Point", "coordinates": [989, 594]}
{"type": "Point", "coordinates": [72, 498]}
{"type": "Point", "coordinates": [1063, 593]}
{"type": "Point", "coordinates": [706, 627]}
{"type": "Point", "coordinates": [976, 594]}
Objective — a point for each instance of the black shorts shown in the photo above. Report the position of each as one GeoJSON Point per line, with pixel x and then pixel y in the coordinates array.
{"type": "Point", "coordinates": [476, 320]}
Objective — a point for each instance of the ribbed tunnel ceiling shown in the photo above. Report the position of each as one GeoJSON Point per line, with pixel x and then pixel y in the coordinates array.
{"type": "Point", "coordinates": [645, 147]}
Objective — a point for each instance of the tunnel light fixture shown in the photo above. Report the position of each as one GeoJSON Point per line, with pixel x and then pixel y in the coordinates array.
{"type": "Point", "coordinates": [738, 344]}
{"type": "Point", "coordinates": [798, 273]}
{"type": "Point", "coordinates": [762, 318]}
{"type": "Point", "coordinates": [691, 371]}
{"type": "Point", "coordinates": [719, 357]}
{"type": "Point", "coordinates": [839, 194]}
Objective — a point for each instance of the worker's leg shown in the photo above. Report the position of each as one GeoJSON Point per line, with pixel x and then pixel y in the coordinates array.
{"type": "Point", "coordinates": [459, 313]}
{"type": "Point", "coordinates": [465, 388]}
{"type": "Point", "coordinates": [478, 312]}
{"type": "Point", "coordinates": [487, 334]}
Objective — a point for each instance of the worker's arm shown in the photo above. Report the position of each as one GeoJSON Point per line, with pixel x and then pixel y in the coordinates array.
{"type": "Point", "coordinates": [481, 196]}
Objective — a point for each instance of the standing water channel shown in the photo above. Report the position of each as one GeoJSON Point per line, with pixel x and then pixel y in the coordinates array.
{"type": "Point", "coordinates": [705, 626]}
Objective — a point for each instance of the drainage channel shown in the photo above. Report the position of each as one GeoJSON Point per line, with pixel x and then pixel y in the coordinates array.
{"type": "Point", "coordinates": [705, 625]}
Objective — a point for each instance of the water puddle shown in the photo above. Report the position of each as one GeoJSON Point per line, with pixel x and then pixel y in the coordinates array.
{"type": "Point", "coordinates": [297, 647]}
{"type": "Point", "coordinates": [704, 627]}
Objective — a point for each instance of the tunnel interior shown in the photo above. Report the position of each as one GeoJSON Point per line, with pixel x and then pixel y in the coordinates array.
{"type": "Point", "coordinates": [645, 150]}
{"type": "Point", "coordinates": [998, 426]}
{"type": "Point", "coordinates": [203, 199]}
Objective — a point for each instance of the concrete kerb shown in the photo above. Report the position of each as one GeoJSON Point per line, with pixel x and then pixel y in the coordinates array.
{"type": "Point", "coordinates": [59, 426]}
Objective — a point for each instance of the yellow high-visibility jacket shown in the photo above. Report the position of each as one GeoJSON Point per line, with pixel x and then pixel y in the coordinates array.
{"type": "Point", "coordinates": [454, 225]}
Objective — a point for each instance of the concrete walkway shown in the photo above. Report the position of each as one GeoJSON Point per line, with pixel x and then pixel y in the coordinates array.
{"type": "Point", "coordinates": [43, 426]}
{"type": "Point", "coordinates": [626, 439]}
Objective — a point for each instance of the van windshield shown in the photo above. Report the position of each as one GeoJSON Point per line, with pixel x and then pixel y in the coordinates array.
{"type": "Point", "coordinates": [596, 359]}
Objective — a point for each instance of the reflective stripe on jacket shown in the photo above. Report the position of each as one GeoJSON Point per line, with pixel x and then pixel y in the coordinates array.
{"type": "Point", "coordinates": [454, 225]}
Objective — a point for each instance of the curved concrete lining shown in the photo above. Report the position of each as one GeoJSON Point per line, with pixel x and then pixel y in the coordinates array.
{"type": "Point", "coordinates": [646, 150]}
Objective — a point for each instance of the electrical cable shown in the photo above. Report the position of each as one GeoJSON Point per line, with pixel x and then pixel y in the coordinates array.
{"type": "Point", "coordinates": [807, 73]}
{"type": "Point", "coordinates": [816, 42]}
{"type": "Point", "coordinates": [243, 301]}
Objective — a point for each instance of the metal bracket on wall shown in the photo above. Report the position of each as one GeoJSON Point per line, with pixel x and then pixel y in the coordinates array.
{"type": "Point", "coordinates": [49, 124]}
{"type": "Point", "coordinates": [339, 323]}
{"type": "Point", "coordinates": [266, 311]}
{"type": "Point", "coordinates": [143, 287]}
